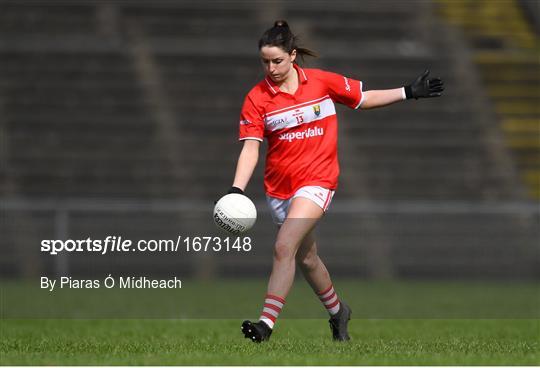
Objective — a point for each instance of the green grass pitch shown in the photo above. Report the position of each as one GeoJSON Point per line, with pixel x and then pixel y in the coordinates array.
{"type": "Point", "coordinates": [295, 342]}
{"type": "Point", "coordinates": [394, 323]}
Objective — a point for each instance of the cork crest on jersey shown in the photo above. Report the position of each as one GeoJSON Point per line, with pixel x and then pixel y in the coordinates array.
{"type": "Point", "coordinates": [300, 114]}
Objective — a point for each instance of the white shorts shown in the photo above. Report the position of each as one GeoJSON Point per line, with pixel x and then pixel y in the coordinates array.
{"type": "Point", "coordinates": [279, 208]}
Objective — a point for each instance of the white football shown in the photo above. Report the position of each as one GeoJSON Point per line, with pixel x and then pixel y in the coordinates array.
{"type": "Point", "coordinates": [235, 213]}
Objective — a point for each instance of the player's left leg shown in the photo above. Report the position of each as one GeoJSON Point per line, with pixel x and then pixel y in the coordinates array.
{"type": "Point", "coordinates": [316, 274]}
{"type": "Point", "coordinates": [311, 265]}
{"type": "Point", "coordinates": [318, 277]}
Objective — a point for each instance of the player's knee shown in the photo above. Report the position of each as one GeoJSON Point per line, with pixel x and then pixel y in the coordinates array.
{"type": "Point", "coordinates": [283, 251]}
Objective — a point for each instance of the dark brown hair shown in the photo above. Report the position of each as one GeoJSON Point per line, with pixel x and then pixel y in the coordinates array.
{"type": "Point", "coordinates": [280, 35]}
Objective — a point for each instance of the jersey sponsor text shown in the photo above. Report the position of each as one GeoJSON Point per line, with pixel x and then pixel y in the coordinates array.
{"type": "Point", "coordinates": [308, 133]}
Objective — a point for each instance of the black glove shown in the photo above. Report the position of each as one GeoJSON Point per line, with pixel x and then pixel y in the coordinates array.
{"type": "Point", "coordinates": [424, 87]}
{"type": "Point", "coordinates": [232, 190]}
{"type": "Point", "coordinates": [235, 190]}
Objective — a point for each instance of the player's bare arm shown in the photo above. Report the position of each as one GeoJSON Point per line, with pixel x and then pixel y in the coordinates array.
{"type": "Point", "coordinates": [421, 87]}
{"type": "Point", "coordinates": [247, 161]}
{"type": "Point", "coordinates": [381, 97]}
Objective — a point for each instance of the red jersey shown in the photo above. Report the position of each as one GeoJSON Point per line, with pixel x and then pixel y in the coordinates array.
{"type": "Point", "coordinates": [301, 129]}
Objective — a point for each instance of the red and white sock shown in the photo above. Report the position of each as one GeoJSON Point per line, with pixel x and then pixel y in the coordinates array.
{"type": "Point", "coordinates": [272, 307]}
{"type": "Point", "coordinates": [330, 300]}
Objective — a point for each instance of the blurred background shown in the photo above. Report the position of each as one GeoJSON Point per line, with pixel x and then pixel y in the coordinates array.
{"type": "Point", "coordinates": [121, 118]}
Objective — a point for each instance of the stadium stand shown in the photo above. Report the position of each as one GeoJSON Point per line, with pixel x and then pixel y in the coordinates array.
{"type": "Point", "coordinates": [138, 101]}
{"type": "Point", "coordinates": [506, 48]}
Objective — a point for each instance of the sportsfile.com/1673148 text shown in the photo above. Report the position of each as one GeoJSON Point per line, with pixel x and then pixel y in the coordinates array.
{"type": "Point", "coordinates": [119, 244]}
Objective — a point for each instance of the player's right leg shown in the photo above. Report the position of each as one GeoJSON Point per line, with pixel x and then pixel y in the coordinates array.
{"type": "Point", "coordinates": [303, 215]}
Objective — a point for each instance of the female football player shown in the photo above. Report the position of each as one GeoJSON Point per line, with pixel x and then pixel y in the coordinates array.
{"type": "Point", "coordinates": [293, 108]}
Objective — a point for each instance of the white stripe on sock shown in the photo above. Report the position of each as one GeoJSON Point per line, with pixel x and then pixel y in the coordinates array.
{"type": "Point", "coordinates": [274, 302]}
{"type": "Point", "coordinates": [271, 311]}
{"type": "Point", "coordinates": [330, 301]}
{"type": "Point", "coordinates": [268, 321]}
{"type": "Point", "coordinates": [326, 295]}
{"type": "Point", "coordinates": [334, 310]}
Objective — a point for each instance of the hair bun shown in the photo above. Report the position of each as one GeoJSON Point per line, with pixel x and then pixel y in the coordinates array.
{"type": "Point", "coordinates": [281, 23]}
